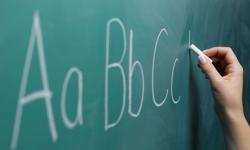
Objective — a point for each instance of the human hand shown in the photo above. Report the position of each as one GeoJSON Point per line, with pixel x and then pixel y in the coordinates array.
{"type": "Point", "coordinates": [226, 78]}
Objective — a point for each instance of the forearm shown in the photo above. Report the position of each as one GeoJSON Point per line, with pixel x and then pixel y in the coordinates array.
{"type": "Point", "coordinates": [236, 131]}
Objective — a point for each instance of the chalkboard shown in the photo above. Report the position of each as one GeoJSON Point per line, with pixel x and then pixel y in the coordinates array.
{"type": "Point", "coordinates": [114, 74]}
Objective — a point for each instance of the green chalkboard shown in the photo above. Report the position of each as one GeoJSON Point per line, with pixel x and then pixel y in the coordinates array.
{"type": "Point", "coordinates": [114, 74]}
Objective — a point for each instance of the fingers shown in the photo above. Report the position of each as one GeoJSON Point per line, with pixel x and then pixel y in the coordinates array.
{"type": "Point", "coordinates": [209, 70]}
{"type": "Point", "coordinates": [225, 53]}
{"type": "Point", "coordinates": [227, 58]}
{"type": "Point", "coordinates": [225, 65]}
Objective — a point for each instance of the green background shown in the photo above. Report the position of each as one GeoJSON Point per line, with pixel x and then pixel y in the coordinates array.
{"type": "Point", "coordinates": [74, 35]}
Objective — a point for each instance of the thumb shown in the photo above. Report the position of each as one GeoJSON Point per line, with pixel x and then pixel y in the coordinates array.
{"type": "Point", "coordinates": [209, 69]}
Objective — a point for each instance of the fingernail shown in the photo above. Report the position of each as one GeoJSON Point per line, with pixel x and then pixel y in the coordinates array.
{"type": "Point", "coordinates": [202, 59]}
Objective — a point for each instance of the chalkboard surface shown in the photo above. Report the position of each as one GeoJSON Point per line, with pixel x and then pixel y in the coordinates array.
{"type": "Point", "coordinates": [114, 74]}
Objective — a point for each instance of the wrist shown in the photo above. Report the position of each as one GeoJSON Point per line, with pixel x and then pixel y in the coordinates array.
{"type": "Point", "coordinates": [232, 117]}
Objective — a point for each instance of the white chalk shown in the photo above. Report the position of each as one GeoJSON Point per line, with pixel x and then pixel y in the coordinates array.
{"type": "Point", "coordinates": [199, 52]}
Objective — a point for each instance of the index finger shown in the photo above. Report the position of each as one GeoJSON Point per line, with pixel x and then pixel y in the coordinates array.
{"type": "Point", "coordinates": [223, 52]}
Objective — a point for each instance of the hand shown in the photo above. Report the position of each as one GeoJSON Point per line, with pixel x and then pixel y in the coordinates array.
{"type": "Point", "coordinates": [226, 78]}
